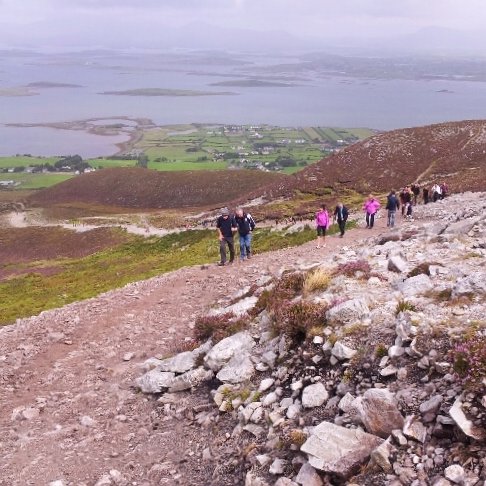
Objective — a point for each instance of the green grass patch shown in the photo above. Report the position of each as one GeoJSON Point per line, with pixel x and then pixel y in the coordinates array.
{"type": "Point", "coordinates": [106, 163]}
{"type": "Point", "coordinates": [23, 161]}
{"type": "Point", "coordinates": [35, 181]}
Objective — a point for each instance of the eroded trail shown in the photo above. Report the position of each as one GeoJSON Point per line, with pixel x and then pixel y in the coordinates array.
{"type": "Point", "coordinates": [67, 407]}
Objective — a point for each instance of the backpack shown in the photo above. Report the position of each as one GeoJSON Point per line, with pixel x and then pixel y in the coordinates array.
{"type": "Point", "coordinates": [250, 220]}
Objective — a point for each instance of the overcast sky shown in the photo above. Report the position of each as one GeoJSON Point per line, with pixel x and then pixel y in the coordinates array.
{"type": "Point", "coordinates": [161, 23]}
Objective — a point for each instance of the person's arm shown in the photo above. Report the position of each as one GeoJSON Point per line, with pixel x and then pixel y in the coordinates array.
{"type": "Point", "coordinates": [218, 229]}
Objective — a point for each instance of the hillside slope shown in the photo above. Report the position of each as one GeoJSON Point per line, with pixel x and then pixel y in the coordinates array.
{"type": "Point", "coordinates": [451, 152]}
{"type": "Point", "coordinates": [144, 188]}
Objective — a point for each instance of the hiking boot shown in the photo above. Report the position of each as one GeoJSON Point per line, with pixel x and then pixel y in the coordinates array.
{"type": "Point", "coordinates": [221, 264]}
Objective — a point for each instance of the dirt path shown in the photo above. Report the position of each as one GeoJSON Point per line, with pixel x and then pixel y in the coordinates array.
{"type": "Point", "coordinates": [67, 407]}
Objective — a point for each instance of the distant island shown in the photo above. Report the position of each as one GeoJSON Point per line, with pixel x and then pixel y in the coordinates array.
{"type": "Point", "coordinates": [17, 91]}
{"type": "Point", "coordinates": [51, 84]}
{"type": "Point", "coordinates": [252, 83]}
{"type": "Point", "coordinates": [165, 92]}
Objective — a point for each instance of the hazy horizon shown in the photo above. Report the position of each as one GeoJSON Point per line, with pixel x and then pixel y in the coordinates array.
{"type": "Point", "coordinates": [444, 27]}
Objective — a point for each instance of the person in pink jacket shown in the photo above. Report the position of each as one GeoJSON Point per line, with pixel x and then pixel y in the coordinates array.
{"type": "Point", "coordinates": [322, 224]}
{"type": "Point", "coordinates": [371, 207]}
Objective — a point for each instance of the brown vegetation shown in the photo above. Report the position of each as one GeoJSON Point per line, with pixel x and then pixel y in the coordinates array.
{"type": "Point", "coordinates": [146, 189]}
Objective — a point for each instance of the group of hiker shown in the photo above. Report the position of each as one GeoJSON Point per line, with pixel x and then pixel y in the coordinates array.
{"type": "Point", "coordinates": [243, 224]}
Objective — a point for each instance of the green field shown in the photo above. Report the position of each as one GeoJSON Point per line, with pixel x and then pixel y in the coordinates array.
{"type": "Point", "coordinates": [22, 161]}
{"type": "Point", "coordinates": [35, 181]}
{"type": "Point", "coordinates": [107, 163]}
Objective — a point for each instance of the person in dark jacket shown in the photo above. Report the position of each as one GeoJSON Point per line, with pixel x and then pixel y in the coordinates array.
{"type": "Point", "coordinates": [392, 205]}
{"type": "Point", "coordinates": [226, 226]}
{"type": "Point", "coordinates": [245, 224]}
{"type": "Point", "coordinates": [341, 214]}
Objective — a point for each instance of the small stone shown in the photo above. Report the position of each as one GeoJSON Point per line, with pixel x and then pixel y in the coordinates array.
{"type": "Point", "coordinates": [277, 467]}
{"type": "Point", "coordinates": [58, 482]}
{"type": "Point", "coordinates": [432, 405]}
{"type": "Point", "coordinates": [414, 429]}
{"type": "Point", "coordinates": [318, 340]}
{"type": "Point", "coordinates": [314, 395]}
{"type": "Point", "coordinates": [266, 384]}
{"type": "Point", "coordinates": [30, 413]}
{"type": "Point", "coordinates": [263, 459]}
{"type": "Point", "coordinates": [206, 454]}
{"type": "Point", "coordinates": [455, 473]}
{"type": "Point", "coordinates": [342, 352]}
{"type": "Point", "coordinates": [389, 370]}
{"type": "Point", "coordinates": [308, 476]}
{"type": "Point", "coordinates": [395, 351]}
{"type": "Point", "coordinates": [86, 421]}
{"type": "Point", "coordinates": [293, 411]}
{"type": "Point", "coordinates": [128, 356]}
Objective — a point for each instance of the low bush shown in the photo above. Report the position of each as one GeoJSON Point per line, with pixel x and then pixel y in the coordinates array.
{"type": "Point", "coordinates": [318, 279]}
{"type": "Point", "coordinates": [217, 327]}
{"type": "Point", "coordinates": [296, 319]}
{"type": "Point", "coordinates": [355, 268]}
{"type": "Point", "coordinates": [421, 269]}
{"type": "Point", "coordinates": [403, 306]}
{"type": "Point", "coordinates": [469, 360]}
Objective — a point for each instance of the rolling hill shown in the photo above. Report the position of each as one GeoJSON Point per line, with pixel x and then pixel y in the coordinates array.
{"type": "Point", "coordinates": [146, 189]}
{"type": "Point", "coordinates": [452, 152]}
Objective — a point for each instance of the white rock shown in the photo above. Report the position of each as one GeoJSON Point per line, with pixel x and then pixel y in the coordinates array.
{"type": "Point", "coordinates": [455, 473]}
{"type": "Point", "coordinates": [314, 395]}
{"type": "Point", "coordinates": [293, 411]}
{"type": "Point", "coordinates": [318, 340]}
{"type": "Point", "coordinates": [180, 363]}
{"type": "Point", "coordinates": [389, 370]}
{"type": "Point", "coordinates": [269, 399]}
{"type": "Point", "coordinates": [86, 421]}
{"type": "Point", "coordinates": [342, 352]}
{"type": "Point", "coordinates": [338, 450]}
{"type": "Point", "coordinates": [395, 351]}
{"type": "Point", "coordinates": [30, 413]}
{"type": "Point", "coordinates": [464, 423]}
{"type": "Point", "coordinates": [266, 384]}
{"type": "Point", "coordinates": [348, 312]}
{"type": "Point", "coordinates": [397, 264]}
{"type": "Point", "coordinates": [277, 467]}
{"type": "Point", "coordinates": [190, 379]}
{"type": "Point", "coordinates": [105, 480]}
{"type": "Point", "coordinates": [308, 476]}
{"type": "Point", "coordinates": [345, 402]}
{"type": "Point", "coordinates": [284, 482]}
{"type": "Point", "coordinates": [117, 477]}
{"type": "Point", "coordinates": [238, 344]}
{"type": "Point", "coordinates": [414, 429]}
{"type": "Point", "coordinates": [432, 405]}
{"type": "Point", "coordinates": [252, 480]}
{"type": "Point", "coordinates": [128, 356]}
{"type": "Point", "coordinates": [58, 482]}
{"type": "Point", "coordinates": [238, 369]}
{"type": "Point", "coordinates": [415, 285]}
{"type": "Point", "coordinates": [155, 381]}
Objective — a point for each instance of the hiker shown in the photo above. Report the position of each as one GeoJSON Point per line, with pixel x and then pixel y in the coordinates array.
{"type": "Point", "coordinates": [444, 190]}
{"type": "Point", "coordinates": [322, 224]}
{"type": "Point", "coordinates": [341, 214]}
{"type": "Point", "coordinates": [245, 224]}
{"type": "Point", "coordinates": [226, 226]}
{"type": "Point", "coordinates": [371, 207]}
{"type": "Point", "coordinates": [425, 195]}
{"type": "Point", "coordinates": [416, 192]}
{"type": "Point", "coordinates": [392, 205]}
{"type": "Point", "coordinates": [436, 192]}
{"type": "Point", "coordinates": [406, 199]}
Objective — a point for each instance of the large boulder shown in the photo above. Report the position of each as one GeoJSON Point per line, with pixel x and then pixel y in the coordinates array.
{"type": "Point", "coordinates": [348, 312]}
{"type": "Point", "coordinates": [378, 412]}
{"type": "Point", "coordinates": [397, 264]}
{"type": "Point", "coordinates": [240, 343]}
{"type": "Point", "coordinates": [155, 381]}
{"type": "Point", "coordinates": [472, 284]}
{"type": "Point", "coordinates": [338, 450]}
{"type": "Point", "coordinates": [461, 227]}
{"type": "Point", "coordinates": [415, 285]}
{"type": "Point", "coordinates": [238, 370]}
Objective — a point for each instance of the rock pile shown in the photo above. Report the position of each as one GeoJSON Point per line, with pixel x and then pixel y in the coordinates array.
{"type": "Point", "coordinates": [380, 389]}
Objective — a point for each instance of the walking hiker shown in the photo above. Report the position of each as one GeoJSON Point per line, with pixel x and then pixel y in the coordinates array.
{"type": "Point", "coordinates": [425, 195]}
{"type": "Point", "coordinates": [341, 214]}
{"type": "Point", "coordinates": [322, 224]}
{"type": "Point", "coordinates": [416, 192]}
{"type": "Point", "coordinates": [436, 192]}
{"type": "Point", "coordinates": [245, 224]}
{"type": "Point", "coordinates": [392, 205]}
{"type": "Point", "coordinates": [226, 226]}
{"type": "Point", "coordinates": [371, 207]}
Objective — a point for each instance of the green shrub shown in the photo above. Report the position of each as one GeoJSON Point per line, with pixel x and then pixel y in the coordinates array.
{"type": "Point", "coordinates": [403, 306]}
